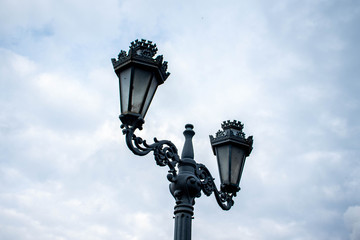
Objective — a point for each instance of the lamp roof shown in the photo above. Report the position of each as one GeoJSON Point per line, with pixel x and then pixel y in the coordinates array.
{"type": "Point", "coordinates": [142, 53]}
{"type": "Point", "coordinates": [232, 133]}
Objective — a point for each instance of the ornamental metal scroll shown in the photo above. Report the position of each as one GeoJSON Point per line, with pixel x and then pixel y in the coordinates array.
{"type": "Point", "coordinates": [165, 152]}
{"type": "Point", "coordinates": [224, 199]}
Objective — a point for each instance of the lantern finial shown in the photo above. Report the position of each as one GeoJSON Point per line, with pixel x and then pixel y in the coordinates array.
{"type": "Point", "coordinates": [143, 48]}
{"type": "Point", "coordinates": [234, 124]}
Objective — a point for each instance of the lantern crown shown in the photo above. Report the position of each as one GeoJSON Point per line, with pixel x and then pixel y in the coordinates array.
{"type": "Point", "coordinates": [232, 132]}
{"type": "Point", "coordinates": [144, 48]}
{"type": "Point", "coordinates": [234, 124]}
{"type": "Point", "coordinates": [142, 52]}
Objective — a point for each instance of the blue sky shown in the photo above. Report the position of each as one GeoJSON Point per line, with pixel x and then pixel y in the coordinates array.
{"type": "Point", "coordinates": [288, 70]}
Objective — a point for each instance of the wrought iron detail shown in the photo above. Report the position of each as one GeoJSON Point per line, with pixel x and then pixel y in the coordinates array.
{"type": "Point", "coordinates": [165, 152]}
{"type": "Point", "coordinates": [224, 199]}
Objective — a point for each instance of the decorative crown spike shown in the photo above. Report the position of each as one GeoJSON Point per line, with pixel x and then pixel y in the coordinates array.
{"type": "Point", "coordinates": [237, 125]}
{"type": "Point", "coordinates": [142, 51]}
{"type": "Point", "coordinates": [232, 133]}
{"type": "Point", "coordinates": [144, 48]}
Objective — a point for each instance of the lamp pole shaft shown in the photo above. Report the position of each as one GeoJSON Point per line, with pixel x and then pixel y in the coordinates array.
{"type": "Point", "coordinates": [183, 217]}
{"type": "Point", "coordinates": [185, 187]}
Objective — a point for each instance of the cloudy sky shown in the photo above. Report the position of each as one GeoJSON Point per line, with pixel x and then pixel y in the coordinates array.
{"type": "Point", "coordinates": [289, 70]}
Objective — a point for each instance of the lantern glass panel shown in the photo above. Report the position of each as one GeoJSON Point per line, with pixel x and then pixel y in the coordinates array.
{"type": "Point", "coordinates": [237, 164]}
{"type": "Point", "coordinates": [223, 153]}
{"type": "Point", "coordinates": [150, 95]}
{"type": "Point", "coordinates": [139, 89]}
{"type": "Point", "coordinates": [125, 77]}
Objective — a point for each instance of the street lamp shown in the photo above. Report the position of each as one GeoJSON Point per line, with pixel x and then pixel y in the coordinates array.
{"type": "Point", "coordinates": [231, 148]}
{"type": "Point", "coordinates": [139, 76]}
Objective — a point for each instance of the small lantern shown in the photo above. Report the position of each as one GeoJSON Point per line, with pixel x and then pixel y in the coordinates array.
{"type": "Point", "coordinates": [139, 76]}
{"type": "Point", "coordinates": [231, 149]}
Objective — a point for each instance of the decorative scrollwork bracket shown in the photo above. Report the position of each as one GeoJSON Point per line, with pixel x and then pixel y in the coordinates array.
{"type": "Point", "coordinates": [208, 186]}
{"type": "Point", "coordinates": [165, 152]}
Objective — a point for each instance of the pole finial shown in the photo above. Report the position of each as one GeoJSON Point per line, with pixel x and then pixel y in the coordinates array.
{"type": "Point", "coordinates": [188, 150]}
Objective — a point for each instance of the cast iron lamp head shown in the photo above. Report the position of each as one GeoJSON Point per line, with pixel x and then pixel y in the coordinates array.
{"type": "Point", "coordinates": [231, 149]}
{"type": "Point", "coordinates": [139, 76]}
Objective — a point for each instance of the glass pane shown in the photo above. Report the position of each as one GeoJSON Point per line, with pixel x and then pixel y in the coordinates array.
{"type": "Point", "coordinates": [150, 95]}
{"type": "Point", "coordinates": [140, 85]}
{"type": "Point", "coordinates": [222, 153]}
{"type": "Point", "coordinates": [237, 164]}
{"type": "Point", "coordinates": [124, 85]}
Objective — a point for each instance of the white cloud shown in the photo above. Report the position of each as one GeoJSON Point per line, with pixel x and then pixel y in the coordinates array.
{"type": "Point", "coordinates": [352, 221]}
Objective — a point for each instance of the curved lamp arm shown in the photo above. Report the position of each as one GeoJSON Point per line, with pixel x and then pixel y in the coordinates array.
{"type": "Point", "coordinates": [165, 152]}
{"type": "Point", "coordinates": [224, 199]}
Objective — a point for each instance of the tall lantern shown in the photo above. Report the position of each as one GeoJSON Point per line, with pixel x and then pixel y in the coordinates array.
{"type": "Point", "coordinates": [139, 76]}
{"type": "Point", "coordinates": [231, 149]}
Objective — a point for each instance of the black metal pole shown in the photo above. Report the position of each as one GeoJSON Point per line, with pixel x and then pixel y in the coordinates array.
{"type": "Point", "coordinates": [185, 187]}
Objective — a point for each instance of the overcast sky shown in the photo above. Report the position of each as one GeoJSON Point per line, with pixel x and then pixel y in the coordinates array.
{"type": "Point", "coordinates": [289, 70]}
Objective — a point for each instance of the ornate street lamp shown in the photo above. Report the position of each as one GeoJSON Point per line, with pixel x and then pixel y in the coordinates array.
{"type": "Point", "coordinates": [231, 148]}
{"type": "Point", "coordinates": [139, 76]}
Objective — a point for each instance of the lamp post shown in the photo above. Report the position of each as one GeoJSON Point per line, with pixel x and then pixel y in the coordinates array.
{"type": "Point", "coordinates": [139, 76]}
